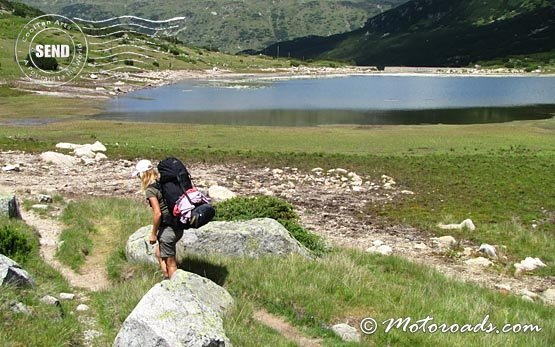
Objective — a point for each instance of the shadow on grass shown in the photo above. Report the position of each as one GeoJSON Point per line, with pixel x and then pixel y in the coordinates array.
{"type": "Point", "coordinates": [202, 267]}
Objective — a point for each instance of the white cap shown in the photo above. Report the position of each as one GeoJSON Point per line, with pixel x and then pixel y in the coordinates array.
{"type": "Point", "coordinates": [142, 166]}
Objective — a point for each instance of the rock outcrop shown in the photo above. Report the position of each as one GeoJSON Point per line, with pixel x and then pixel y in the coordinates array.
{"type": "Point", "coordinates": [219, 193]}
{"type": "Point", "coordinates": [184, 311]}
{"type": "Point", "coordinates": [12, 274]}
{"type": "Point", "coordinates": [252, 238]}
{"type": "Point", "coordinates": [9, 206]}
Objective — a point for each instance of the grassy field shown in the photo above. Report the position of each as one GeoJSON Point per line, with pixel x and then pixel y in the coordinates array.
{"type": "Point", "coordinates": [496, 174]}
{"type": "Point", "coordinates": [339, 286]}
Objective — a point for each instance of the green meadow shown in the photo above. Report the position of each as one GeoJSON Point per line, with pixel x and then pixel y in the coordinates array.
{"type": "Point", "coordinates": [499, 175]}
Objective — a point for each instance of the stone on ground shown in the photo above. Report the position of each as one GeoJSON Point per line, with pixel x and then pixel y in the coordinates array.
{"type": "Point", "coordinates": [219, 193]}
{"type": "Point", "coordinates": [186, 310]}
{"type": "Point", "coordinates": [252, 238]}
{"type": "Point", "coordinates": [12, 274]}
{"type": "Point", "coordinates": [346, 332]}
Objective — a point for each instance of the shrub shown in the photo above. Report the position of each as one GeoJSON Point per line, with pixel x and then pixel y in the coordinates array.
{"type": "Point", "coordinates": [128, 62]}
{"type": "Point", "coordinates": [16, 242]}
{"type": "Point", "coordinates": [243, 208]}
{"type": "Point", "coordinates": [43, 63]}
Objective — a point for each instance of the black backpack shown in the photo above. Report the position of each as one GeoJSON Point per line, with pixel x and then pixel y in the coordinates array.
{"type": "Point", "coordinates": [175, 180]}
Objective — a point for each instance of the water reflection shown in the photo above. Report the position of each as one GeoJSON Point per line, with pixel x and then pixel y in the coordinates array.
{"type": "Point", "coordinates": [344, 117]}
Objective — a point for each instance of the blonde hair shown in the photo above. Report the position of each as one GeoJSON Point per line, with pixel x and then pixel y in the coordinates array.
{"type": "Point", "coordinates": [148, 177]}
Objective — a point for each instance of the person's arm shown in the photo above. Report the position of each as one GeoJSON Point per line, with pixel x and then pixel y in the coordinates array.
{"type": "Point", "coordinates": [156, 218]}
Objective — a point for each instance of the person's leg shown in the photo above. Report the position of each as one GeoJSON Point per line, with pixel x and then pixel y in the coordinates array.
{"type": "Point", "coordinates": [161, 261]}
{"type": "Point", "coordinates": [171, 265]}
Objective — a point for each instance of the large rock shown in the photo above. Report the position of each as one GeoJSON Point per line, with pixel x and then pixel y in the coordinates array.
{"type": "Point", "coordinates": [346, 332]}
{"type": "Point", "coordinates": [184, 311]}
{"type": "Point", "coordinates": [12, 274]}
{"type": "Point", "coordinates": [219, 193]}
{"type": "Point", "coordinates": [253, 238]}
{"type": "Point", "coordinates": [58, 159]}
{"type": "Point", "coordinates": [467, 223]}
{"type": "Point", "coordinates": [9, 206]}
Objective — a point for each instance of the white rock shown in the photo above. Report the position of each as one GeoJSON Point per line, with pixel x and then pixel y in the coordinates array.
{"type": "Point", "coordinates": [548, 296]}
{"type": "Point", "coordinates": [489, 250]}
{"type": "Point", "coordinates": [8, 168]}
{"type": "Point", "coordinates": [346, 332]}
{"type": "Point", "coordinates": [19, 307]}
{"type": "Point", "coordinates": [93, 76]}
{"type": "Point", "coordinates": [527, 298]}
{"type": "Point", "coordinates": [479, 262]}
{"type": "Point", "coordinates": [219, 193]}
{"type": "Point", "coordinates": [444, 242]}
{"type": "Point", "coordinates": [377, 243]}
{"type": "Point", "coordinates": [383, 250]}
{"type": "Point", "coordinates": [67, 296]}
{"type": "Point", "coordinates": [528, 264]}
{"type": "Point", "coordinates": [58, 159]}
{"type": "Point", "coordinates": [119, 83]}
{"type": "Point", "coordinates": [420, 246]}
{"type": "Point", "coordinates": [84, 152]}
{"type": "Point", "coordinates": [44, 198]}
{"type": "Point", "coordinates": [97, 147]}
{"type": "Point", "coordinates": [50, 300]}
{"type": "Point", "coordinates": [317, 169]}
{"type": "Point", "coordinates": [99, 88]}
{"type": "Point", "coordinates": [82, 308]}
{"type": "Point", "coordinates": [277, 171]}
{"type": "Point", "coordinates": [100, 157]}
{"type": "Point", "coordinates": [66, 145]}
{"type": "Point", "coordinates": [266, 191]}
{"type": "Point", "coordinates": [503, 287]}
{"type": "Point", "coordinates": [467, 223]}
{"type": "Point", "coordinates": [356, 188]}
{"type": "Point", "coordinates": [529, 293]}
{"type": "Point", "coordinates": [341, 171]}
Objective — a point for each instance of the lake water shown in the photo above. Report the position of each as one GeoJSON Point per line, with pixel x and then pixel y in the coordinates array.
{"type": "Point", "coordinates": [364, 100]}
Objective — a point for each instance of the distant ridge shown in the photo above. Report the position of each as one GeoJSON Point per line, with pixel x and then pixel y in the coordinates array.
{"type": "Point", "coordinates": [436, 33]}
{"type": "Point", "coordinates": [232, 25]}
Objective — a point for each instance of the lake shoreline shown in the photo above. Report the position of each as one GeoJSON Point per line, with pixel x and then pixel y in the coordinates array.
{"type": "Point", "coordinates": [104, 90]}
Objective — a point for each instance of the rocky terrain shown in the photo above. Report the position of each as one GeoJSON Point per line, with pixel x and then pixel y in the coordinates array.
{"type": "Point", "coordinates": [331, 203]}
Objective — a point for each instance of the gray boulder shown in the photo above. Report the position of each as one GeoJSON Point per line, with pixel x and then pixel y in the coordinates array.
{"type": "Point", "coordinates": [346, 332]}
{"type": "Point", "coordinates": [253, 238]}
{"type": "Point", "coordinates": [12, 274]}
{"type": "Point", "coordinates": [9, 206]}
{"type": "Point", "coordinates": [58, 159]}
{"type": "Point", "coordinates": [186, 310]}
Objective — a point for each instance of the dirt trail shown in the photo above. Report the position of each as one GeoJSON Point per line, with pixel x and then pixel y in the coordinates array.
{"type": "Point", "coordinates": [285, 329]}
{"type": "Point", "coordinates": [92, 276]}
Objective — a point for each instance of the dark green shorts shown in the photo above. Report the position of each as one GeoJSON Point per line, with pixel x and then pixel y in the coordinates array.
{"type": "Point", "coordinates": [167, 240]}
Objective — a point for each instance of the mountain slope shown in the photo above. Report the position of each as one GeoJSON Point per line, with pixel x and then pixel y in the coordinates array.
{"type": "Point", "coordinates": [234, 25]}
{"type": "Point", "coordinates": [437, 33]}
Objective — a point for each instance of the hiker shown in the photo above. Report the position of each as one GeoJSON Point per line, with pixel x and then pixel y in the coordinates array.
{"type": "Point", "coordinates": [166, 235]}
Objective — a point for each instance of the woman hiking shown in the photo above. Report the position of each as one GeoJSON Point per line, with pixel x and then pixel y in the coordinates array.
{"type": "Point", "coordinates": [166, 235]}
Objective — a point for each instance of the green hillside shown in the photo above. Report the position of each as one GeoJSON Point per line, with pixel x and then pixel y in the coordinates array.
{"type": "Point", "coordinates": [438, 33]}
{"type": "Point", "coordinates": [232, 25]}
